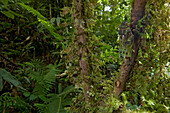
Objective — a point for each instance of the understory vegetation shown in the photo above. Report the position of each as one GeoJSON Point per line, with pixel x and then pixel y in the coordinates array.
{"type": "Point", "coordinates": [70, 56]}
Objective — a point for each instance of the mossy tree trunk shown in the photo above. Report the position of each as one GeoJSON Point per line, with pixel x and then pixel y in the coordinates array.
{"type": "Point", "coordinates": [81, 42]}
{"type": "Point", "coordinates": [138, 11]}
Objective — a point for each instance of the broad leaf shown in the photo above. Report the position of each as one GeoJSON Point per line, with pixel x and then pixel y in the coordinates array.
{"type": "Point", "coordinates": [11, 79]}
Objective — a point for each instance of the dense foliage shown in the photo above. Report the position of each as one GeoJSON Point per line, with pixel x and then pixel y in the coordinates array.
{"type": "Point", "coordinates": [40, 55]}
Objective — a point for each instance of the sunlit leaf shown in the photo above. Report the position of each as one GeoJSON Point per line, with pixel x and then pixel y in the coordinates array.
{"type": "Point", "coordinates": [43, 21]}
{"type": "Point", "coordinates": [5, 2]}
{"type": "Point", "coordinates": [33, 11]}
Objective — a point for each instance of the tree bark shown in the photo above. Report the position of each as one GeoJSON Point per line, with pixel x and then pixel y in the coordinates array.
{"type": "Point", "coordinates": [138, 11]}
{"type": "Point", "coordinates": [81, 41]}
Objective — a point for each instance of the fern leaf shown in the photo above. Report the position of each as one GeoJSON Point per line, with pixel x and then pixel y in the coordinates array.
{"type": "Point", "coordinates": [43, 20]}
{"type": "Point", "coordinates": [67, 90]}
{"type": "Point", "coordinates": [33, 11]}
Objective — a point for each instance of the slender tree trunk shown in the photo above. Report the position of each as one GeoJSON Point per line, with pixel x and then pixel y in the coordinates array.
{"type": "Point", "coordinates": [81, 41]}
{"type": "Point", "coordinates": [138, 11]}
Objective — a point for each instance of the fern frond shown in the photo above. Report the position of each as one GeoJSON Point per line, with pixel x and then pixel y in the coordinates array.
{"type": "Point", "coordinates": [57, 102]}
{"type": "Point", "coordinates": [43, 20]}
{"type": "Point", "coordinates": [67, 90]}
{"type": "Point", "coordinates": [42, 108]}
{"type": "Point", "coordinates": [45, 84]}
{"type": "Point", "coordinates": [33, 11]}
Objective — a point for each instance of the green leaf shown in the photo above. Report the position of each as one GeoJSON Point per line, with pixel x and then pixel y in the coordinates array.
{"type": "Point", "coordinates": [11, 79]}
{"type": "Point", "coordinates": [66, 91]}
{"type": "Point", "coordinates": [16, 14]}
{"type": "Point", "coordinates": [43, 21]}
{"type": "Point", "coordinates": [42, 97]}
{"type": "Point", "coordinates": [52, 20]}
{"type": "Point", "coordinates": [27, 79]}
{"type": "Point", "coordinates": [29, 64]}
{"type": "Point", "coordinates": [50, 28]}
{"type": "Point", "coordinates": [5, 2]}
{"type": "Point", "coordinates": [55, 105]}
{"type": "Point", "coordinates": [26, 94]}
{"type": "Point", "coordinates": [8, 14]}
{"type": "Point", "coordinates": [33, 11]}
{"type": "Point", "coordinates": [58, 20]}
{"type": "Point", "coordinates": [59, 88]}
{"type": "Point", "coordinates": [124, 98]}
{"type": "Point", "coordinates": [67, 102]}
{"type": "Point", "coordinates": [1, 83]}
{"type": "Point", "coordinates": [161, 108]}
{"type": "Point", "coordinates": [42, 108]}
{"type": "Point", "coordinates": [58, 102]}
{"type": "Point", "coordinates": [33, 97]}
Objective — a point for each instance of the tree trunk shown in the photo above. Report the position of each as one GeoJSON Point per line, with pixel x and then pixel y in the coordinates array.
{"type": "Point", "coordinates": [81, 41]}
{"type": "Point", "coordinates": [138, 11]}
